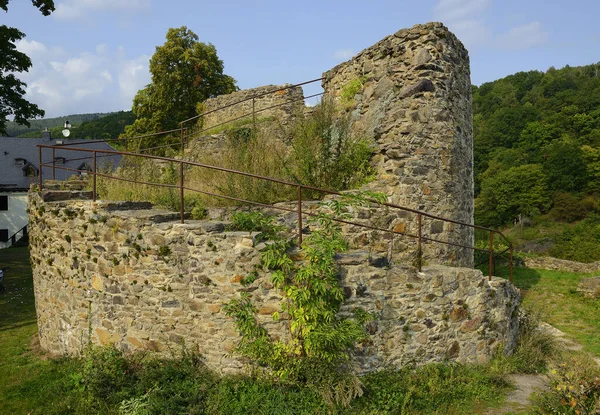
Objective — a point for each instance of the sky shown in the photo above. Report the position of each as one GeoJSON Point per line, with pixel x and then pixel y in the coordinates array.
{"type": "Point", "coordinates": [92, 55]}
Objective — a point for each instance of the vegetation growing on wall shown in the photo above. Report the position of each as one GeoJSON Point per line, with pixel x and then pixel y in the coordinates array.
{"type": "Point", "coordinates": [318, 352]}
{"type": "Point", "coordinates": [317, 150]}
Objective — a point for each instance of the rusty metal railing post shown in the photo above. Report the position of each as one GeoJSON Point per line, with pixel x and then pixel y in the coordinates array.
{"type": "Point", "coordinates": [181, 136]}
{"type": "Point", "coordinates": [253, 117]}
{"type": "Point", "coordinates": [181, 206]}
{"type": "Point", "coordinates": [299, 216]}
{"type": "Point", "coordinates": [491, 252]}
{"type": "Point", "coordinates": [420, 248]}
{"type": "Point", "coordinates": [41, 167]}
{"type": "Point", "coordinates": [510, 264]}
{"type": "Point", "coordinates": [94, 169]}
{"type": "Point", "coordinates": [53, 161]}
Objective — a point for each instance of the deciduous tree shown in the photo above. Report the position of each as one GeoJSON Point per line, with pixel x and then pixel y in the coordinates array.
{"type": "Point", "coordinates": [13, 61]}
{"type": "Point", "coordinates": [184, 73]}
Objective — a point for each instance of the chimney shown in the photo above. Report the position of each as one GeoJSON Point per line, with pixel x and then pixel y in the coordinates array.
{"type": "Point", "coordinates": [46, 135]}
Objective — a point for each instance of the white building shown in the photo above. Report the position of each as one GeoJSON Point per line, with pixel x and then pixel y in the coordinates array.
{"type": "Point", "coordinates": [19, 168]}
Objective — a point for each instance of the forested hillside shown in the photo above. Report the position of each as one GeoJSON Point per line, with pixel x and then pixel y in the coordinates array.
{"type": "Point", "coordinates": [537, 157]}
{"type": "Point", "coordinates": [108, 126]}
{"type": "Point", "coordinates": [15, 130]}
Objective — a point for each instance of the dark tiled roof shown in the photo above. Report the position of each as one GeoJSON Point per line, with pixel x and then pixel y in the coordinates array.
{"type": "Point", "coordinates": [12, 175]}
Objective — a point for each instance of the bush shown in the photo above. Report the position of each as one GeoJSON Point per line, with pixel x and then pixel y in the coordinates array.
{"type": "Point", "coordinates": [580, 242]}
{"type": "Point", "coordinates": [574, 387]}
{"type": "Point", "coordinates": [435, 388]}
{"type": "Point", "coordinates": [326, 152]}
{"type": "Point", "coordinates": [569, 208]}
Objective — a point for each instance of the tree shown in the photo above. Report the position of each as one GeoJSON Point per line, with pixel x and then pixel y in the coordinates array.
{"type": "Point", "coordinates": [184, 73]}
{"type": "Point", "coordinates": [13, 61]}
{"type": "Point", "coordinates": [517, 191]}
{"type": "Point", "coordinates": [565, 166]}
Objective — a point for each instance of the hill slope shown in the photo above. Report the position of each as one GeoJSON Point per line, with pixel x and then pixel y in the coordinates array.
{"type": "Point", "coordinates": [537, 155]}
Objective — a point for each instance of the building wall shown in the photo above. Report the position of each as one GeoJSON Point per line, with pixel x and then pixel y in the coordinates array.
{"type": "Point", "coordinates": [16, 216]}
{"type": "Point", "coordinates": [143, 281]}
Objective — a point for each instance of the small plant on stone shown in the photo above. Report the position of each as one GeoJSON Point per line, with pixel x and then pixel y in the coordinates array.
{"type": "Point", "coordinates": [164, 251]}
{"type": "Point", "coordinates": [256, 222]}
{"type": "Point", "coordinates": [319, 350]}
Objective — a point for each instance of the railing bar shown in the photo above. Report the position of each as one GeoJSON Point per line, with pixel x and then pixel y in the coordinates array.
{"type": "Point", "coordinates": [278, 181]}
{"type": "Point", "coordinates": [250, 113]}
{"type": "Point", "coordinates": [86, 142]}
{"type": "Point", "coordinates": [250, 98]}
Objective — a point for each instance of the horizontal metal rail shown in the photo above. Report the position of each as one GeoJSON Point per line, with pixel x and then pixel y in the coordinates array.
{"type": "Point", "coordinates": [300, 188]}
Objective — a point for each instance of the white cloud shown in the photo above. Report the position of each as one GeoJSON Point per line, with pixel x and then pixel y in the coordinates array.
{"type": "Point", "coordinates": [133, 76]}
{"type": "Point", "coordinates": [30, 47]}
{"type": "Point", "coordinates": [343, 54]}
{"type": "Point", "coordinates": [76, 9]}
{"type": "Point", "coordinates": [457, 10]}
{"type": "Point", "coordinates": [62, 84]}
{"type": "Point", "coordinates": [523, 36]}
{"type": "Point", "coordinates": [466, 18]}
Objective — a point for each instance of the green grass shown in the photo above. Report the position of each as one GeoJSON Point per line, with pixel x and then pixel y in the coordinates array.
{"type": "Point", "coordinates": [553, 295]}
{"type": "Point", "coordinates": [28, 383]}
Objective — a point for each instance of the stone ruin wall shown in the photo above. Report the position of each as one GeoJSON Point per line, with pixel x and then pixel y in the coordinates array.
{"type": "Point", "coordinates": [277, 103]}
{"type": "Point", "coordinates": [102, 275]}
{"type": "Point", "coordinates": [415, 103]}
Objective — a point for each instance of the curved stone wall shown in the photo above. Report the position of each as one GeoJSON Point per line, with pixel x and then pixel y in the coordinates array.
{"type": "Point", "coordinates": [413, 95]}
{"type": "Point", "coordinates": [129, 275]}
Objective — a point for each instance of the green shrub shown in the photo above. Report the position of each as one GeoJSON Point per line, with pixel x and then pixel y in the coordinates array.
{"type": "Point", "coordinates": [241, 396]}
{"type": "Point", "coordinates": [580, 242]}
{"type": "Point", "coordinates": [106, 375]}
{"type": "Point", "coordinates": [326, 152]}
{"type": "Point", "coordinates": [570, 208]}
{"type": "Point", "coordinates": [574, 387]}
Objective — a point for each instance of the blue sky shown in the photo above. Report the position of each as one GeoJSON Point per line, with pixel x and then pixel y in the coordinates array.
{"type": "Point", "coordinates": [92, 55]}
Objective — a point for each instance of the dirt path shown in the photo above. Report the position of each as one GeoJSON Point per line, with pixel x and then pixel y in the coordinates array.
{"type": "Point", "coordinates": [519, 400]}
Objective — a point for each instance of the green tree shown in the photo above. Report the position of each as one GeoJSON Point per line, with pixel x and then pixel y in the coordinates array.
{"type": "Point", "coordinates": [13, 61]}
{"type": "Point", "coordinates": [184, 73]}
{"type": "Point", "coordinates": [565, 166]}
{"type": "Point", "coordinates": [517, 191]}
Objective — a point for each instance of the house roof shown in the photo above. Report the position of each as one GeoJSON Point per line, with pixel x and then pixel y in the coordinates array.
{"type": "Point", "coordinates": [13, 172]}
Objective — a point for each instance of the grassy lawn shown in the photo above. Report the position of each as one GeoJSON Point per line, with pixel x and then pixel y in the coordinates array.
{"type": "Point", "coordinates": [28, 382]}
{"type": "Point", "coordinates": [553, 294]}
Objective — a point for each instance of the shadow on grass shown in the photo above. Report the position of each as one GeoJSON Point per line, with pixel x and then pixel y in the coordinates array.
{"type": "Point", "coordinates": [17, 304]}
{"type": "Point", "coordinates": [523, 278]}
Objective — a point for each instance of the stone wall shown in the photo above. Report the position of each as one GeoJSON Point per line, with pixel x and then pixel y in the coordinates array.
{"type": "Point", "coordinates": [561, 265]}
{"type": "Point", "coordinates": [286, 101]}
{"type": "Point", "coordinates": [413, 95]}
{"type": "Point", "coordinates": [125, 274]}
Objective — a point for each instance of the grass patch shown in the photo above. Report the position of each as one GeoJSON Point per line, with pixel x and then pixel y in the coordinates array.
{"type": "Point", "coordinates": [29, 383]}
{"type": "Point", "coordinates": [553, 294]}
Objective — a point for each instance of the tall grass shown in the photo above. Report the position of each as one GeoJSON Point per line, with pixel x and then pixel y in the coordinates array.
{"type": "Point", "coordinates": [320, 149]}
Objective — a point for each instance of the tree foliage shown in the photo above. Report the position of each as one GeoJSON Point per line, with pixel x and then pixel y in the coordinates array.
{"type": "Point", "coordinates": [184, 73]}
{"type": "Point", "coordinates": [542, 129]}
{"type": "Point", "coordinates": [13, 61]}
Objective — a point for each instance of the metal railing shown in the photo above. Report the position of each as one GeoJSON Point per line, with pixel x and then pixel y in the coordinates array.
{"type": "Point", "coordinates": [300, 189]}
{"type": "Point", "coordinates": [14, 238]}
{"type": "Point", "coordinates": [192, 127]}
{"type": "Point", "coordinates": [186, 128]}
